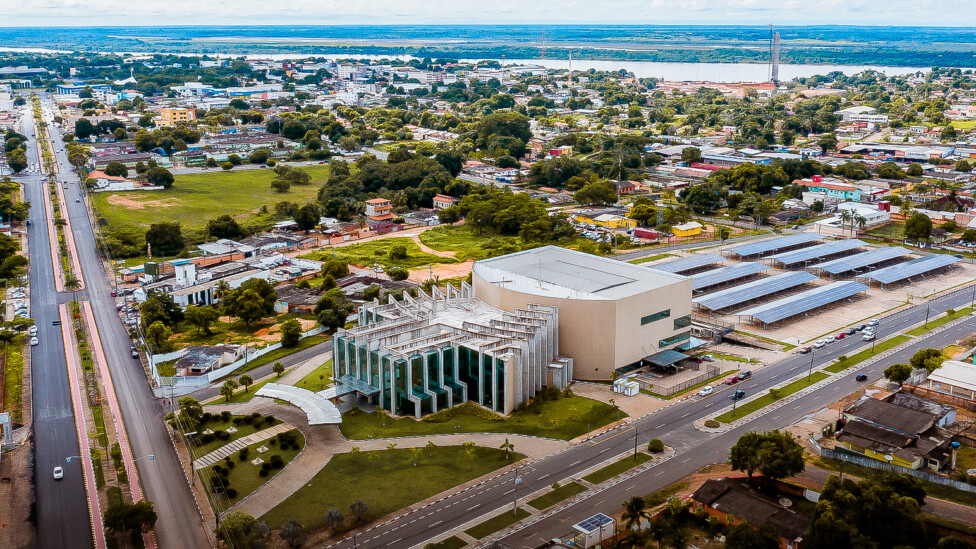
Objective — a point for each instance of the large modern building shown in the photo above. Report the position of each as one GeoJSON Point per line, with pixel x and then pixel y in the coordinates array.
{"type": "Point", "coordinates": [420, 355]}
{"type": "Point", "coordinates": [612, 315]}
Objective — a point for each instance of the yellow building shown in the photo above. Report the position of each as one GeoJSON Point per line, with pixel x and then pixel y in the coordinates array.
{"type": "Point", "coordinates": [692, 228]}
{"type": "Point", "coordinates": [609, 221]}
{"type": "Point", "coordinates": [171, 116]}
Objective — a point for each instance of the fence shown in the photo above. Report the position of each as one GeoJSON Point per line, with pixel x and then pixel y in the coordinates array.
{"type": "Point", "coordinates": [875, 464]}
{"type": "Point", "coordinates": [708, 373]}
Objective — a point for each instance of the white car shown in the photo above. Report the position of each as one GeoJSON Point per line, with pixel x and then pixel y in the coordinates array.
{"type": "Point", "coordinates": [58, 473]}
{"type": "Point", "coordinates": [34, 342]}
{"type": "Point", "coordinates": [867, 337]}
{"type": "Point", "coordinates": [819, 344]}
{"type": "Point", "coordinates": [706, 390]}
{"type": "Point", "coordinates": [707, 358]}
{"type": "Point", "coordinates": [32, 330]}
{"type": "Point", "coordinates": [873, 322]}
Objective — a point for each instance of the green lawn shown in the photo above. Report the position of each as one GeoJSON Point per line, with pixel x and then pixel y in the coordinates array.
{"type": "Point", "coordinates": [565, 419]}
{"type": "Point", "coordinates": [378, 251]}
{"type": "Point", "coordinates": [495, 524]}
{"type": "Point", "coordinates": [197, 198]}
{"type": "Point", "coordinates": [772, 396]}
{"type": "Point", "coordinates": [649, 258]}
{"type": "Point", "coordinates": [965, 458]}
{"type": "Point", "coordinates": [318, 379]}
{"type": "Point", "coordinates": [387, 482]}
{"type": "Point", "coordinates": [619, 467]}
{"type": "Point", "coordinates": [662, 495]}
{"type": "Point", "coordinates": [555, 496]}
{"type": "Point", "coordinates": [933, 324]}
{"type": "Point", "coordinates": [390, 147]}
{"type": "Point", "coordinates": [244, 477]}
{"type": "Point", "coordinates": [842, 365]}
{"type": "Point", "coordinates": [278, 354]}
{"type": "Point", "coordinates": [242, 396]}
{"type": "Point", "coordinates": [469, 245]}
{"type": "Point", "coordinates": [13, 378]}
{"type": "Point", "coordinates": [452, 542]}
{"type": "Point", "coordinates": [216, 424]}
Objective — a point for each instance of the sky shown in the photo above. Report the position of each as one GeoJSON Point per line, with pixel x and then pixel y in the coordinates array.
{"type": "Point", "coordinates": [47, 13]}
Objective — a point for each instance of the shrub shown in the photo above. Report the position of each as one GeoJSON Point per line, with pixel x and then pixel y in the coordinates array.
{"type": "Point", "coordinates": [237, 420]}
{"type": "Point", "coordinates": [222, 435]}
{"type": "Point", "coordinates": [655, 446]}
{"type": "Point", "coordinates": [231, 493]}
{"type": "Point", "coordinates": [269, 418]}
{"type": "Point", "coordinates": [242, 455]}
{"type": "Point", "coordinates": [247, 420]}
{"type": "Point", "coordinates": [225, 415]}
{"type": "Point", "coordinates": [712, 424]}
{"type": "Point", "coordinates": [206, 417]}
{"type": "Point", "coordinates": [263, 472]}
{"type": "Point", "coordinates": [277, 462]}
{"type": "Point", "coordinates": [206, 438]}
{"type": "Point", "coordinates": [465, 409]}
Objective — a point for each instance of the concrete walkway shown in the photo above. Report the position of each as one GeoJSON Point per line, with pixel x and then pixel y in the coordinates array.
{"type": "Point", "coordinates": [324, 441]}
{"type": "Point", "coordinates": [243, 442]}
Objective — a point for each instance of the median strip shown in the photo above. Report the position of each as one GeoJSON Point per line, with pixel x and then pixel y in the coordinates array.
{"type": "Point", "coordinates": [933, 324]}
{"type": "Point", "coordinates": [619, 467]}
{"type": "Point", "coordinates": [772, 396]}
{"type": "Point", "coordinates": [846, 362]}
{"type": "Point", "coordinates": [495, 524]}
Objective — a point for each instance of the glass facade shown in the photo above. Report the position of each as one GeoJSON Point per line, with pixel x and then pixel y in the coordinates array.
{"type": "Point", "coordinates": [655, 317]}
{"type": "Point", "coordinates": [677, 338]}
{"type": "Point", "coordinates": [682, 322]}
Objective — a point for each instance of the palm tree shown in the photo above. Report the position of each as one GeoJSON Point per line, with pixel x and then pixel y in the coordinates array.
{"type": "Point", "coordinates": [845, 218]}
{"type": "Point", "coordinates": [635, 510]}
{"type": "Point", "coordinates": [430, 448]}
{"type": "Point", "coordinates": [221, 290]}
{"type": "Point", "coordinates": [508, 447]}
{"type": "Point", "coordinates": [72, 284]}
{"type": "Point", "coordinates": [417, 453]}
{"type": "Point", "coordinates": [861, 221]}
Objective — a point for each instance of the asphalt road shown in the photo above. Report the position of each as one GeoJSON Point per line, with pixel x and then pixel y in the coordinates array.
{"type": "Point", "coordinates": [62, 512]}
{"type": "Point", "coordinates": [179, 524]}
{"type": "Point", "coordinates": [672, 424]}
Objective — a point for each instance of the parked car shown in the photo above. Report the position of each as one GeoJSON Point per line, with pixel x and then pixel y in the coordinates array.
{"type": "Point", "coordinates": [732, 379]}
{"type": "Point", "coordinates": [34, 341]}
{"type": "Point", "coordinates": [868, 337]}
{"type": "Point", "coordinates": [862, 327]}
{"type": "Point", "coordinates": [851, 331]}
{"type": "Point", "coordinates": [706, 390]}
{"type": "Point", "coordinates": [32, 330]}
{"type": "Point", "coordinates": [58, 473]}
{"type": "Point", "coordinates": [135, 353]}
{"type": "Point", "coordinates": [708, 358]}
{"type": "Point", "coordinates": [861, 377]}
{"type": "Point", "coordinates": [820, 344]}
{"type": "Point", "coordinates": [873, 322]}
{"type": "Point", "coordinates": [737, 395]}
{"type": "Point", "coordinates": [806, 350]}
{"type": "Point", "coordinates": [841, 335]}
{"type": "Point", "coordinates": [745, 374]}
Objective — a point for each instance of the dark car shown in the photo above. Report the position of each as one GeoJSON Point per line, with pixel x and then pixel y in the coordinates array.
{"type": "Point", "coordinates": [861, 377]}
{"type": "Point", "coordinates": [862, 327]}
{"type": "Point", "coordinates": [738, 395]}
{"type": "Point", "coordinates": [805, 350]}
{"type": "Point", "coordinates": [745, 374]}
{"type": "Point", "coordinates": [851, 331]}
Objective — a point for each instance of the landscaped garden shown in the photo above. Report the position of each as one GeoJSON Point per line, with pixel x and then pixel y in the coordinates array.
{"type": "Point", "coordinates": [373, 484]}
{"type": "Point", "coordinates": [318, 379]}
{"type": "Point", "coordinates": [214, 429]}
{"type": "Point", "coordinates": [238, 475]}
{"type": "Point", "coordinates": [564, 418]}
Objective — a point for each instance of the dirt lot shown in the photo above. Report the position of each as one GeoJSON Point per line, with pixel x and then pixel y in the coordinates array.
{"type": "Point", "coordinates": [16, 496]}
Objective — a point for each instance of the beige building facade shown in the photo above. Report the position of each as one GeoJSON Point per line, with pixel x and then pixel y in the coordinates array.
{"type": "Point", "coordinates": [612, 314]}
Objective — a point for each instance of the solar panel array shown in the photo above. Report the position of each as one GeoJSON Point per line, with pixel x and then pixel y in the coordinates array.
{"type": "Point", "coordinates": [726, 274]}
{"type": "Point", "coordinates": [689, 263]}
{"type": "Point", "coordinates": [744, 293]}
{"type": "Point", "coordinates": [594, 523]}
{"type": "Point", "coordinates": [861, 260]}
{"type": "Point", "coordinates": [897, 273]}
{"type": "Point", "coordinates": [813, 252]}
{"type": "Point", "coordinates": [774, 244]}
{"type": "Point", "coordinates": [800, 303]}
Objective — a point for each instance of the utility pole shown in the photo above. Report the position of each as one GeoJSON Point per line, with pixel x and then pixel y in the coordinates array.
{"type": "Point", "coordinates": [518, 480]}
{"type": "Point", "coordinates": [927, 309]}
{"type": "Point", "coordinates": [810, 369]}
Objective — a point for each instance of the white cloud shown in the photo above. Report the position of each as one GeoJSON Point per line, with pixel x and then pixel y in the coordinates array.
{"type": "Point", "coordinates": [311, 12]}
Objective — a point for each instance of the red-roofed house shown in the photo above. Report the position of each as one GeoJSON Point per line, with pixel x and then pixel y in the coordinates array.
{"type": "Point", "coordinates": [101, 181]}
{"type": "Point", "coordinates": [379, 209]}
{"type": "Point", "coordinates": [442, 201]}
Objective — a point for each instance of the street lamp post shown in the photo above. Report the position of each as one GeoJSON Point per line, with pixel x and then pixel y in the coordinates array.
{"type": "Point", "coordinates": [927, 309]}
{"type": "Point", "coordinates": [813, 352]}
{"type": "Point", "coordinates": [518, 480]}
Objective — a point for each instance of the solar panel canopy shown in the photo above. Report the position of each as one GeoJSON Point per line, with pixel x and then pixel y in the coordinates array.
{"type": "Point", "coordinates": [861, 260]}
{"type": "Point", "coordinates": [726, 274]}
{"type": "Point", "coordinates": [813, 252]}
{"type": "Point", "coordinates": [744, 293]}
{"type": "Point", "coordinates": [800, 303]}
{"type": "Point", "coordinates": [774, 244]}
{"type": "Point", "coordinates": [684, 264]}
{"type": "Point", "coordinates": [915, 267]}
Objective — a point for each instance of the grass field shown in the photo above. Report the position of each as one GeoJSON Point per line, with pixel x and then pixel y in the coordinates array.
{"type": "Point", "coordinates": [467, 244]}
{"type": "Point", "coordinates": [555, 496]}
{"type": "Point", "coordinates": [772, 396]}
{"type": "Point", "coordinates": [244, 476]}
{"type": "Point", "coordinates": [452, 542]}
{"type": "Point", "coordinates": [495, 524]}
{"type": "Point", "coordinates": [278, 354]}
{"type": "Point", "coordinates": [933, 324]}
{"type": "Point", "coordinates": [387, 482]}
{"type": "Point", "coordinates": [13, 378]}
{"type": "Point", "coordinates": [619, 467]}
{"type": "Point", "coordinates": [842, 365]}
{"type": "Point", "coordinates": [197, 198]}
{"type": "Point", "coordinates": [565, 419]}
{"type": "Point", "coordinates": [318, 379]}
{"type": "Point", "coordinates": [378, 251]}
